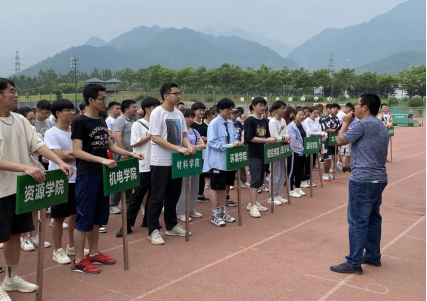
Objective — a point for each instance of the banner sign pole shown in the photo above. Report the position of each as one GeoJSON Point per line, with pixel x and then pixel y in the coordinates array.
{"type": "Point", "coordinates": [311, 146]}
{"type": "Point", "coordinates": [390, 135]}
{"type": "Point", "coordinates": [332, 141]}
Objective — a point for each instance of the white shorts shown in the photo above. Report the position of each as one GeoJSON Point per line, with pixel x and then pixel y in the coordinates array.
{"type": "Point", "coordinates": [346, 150]}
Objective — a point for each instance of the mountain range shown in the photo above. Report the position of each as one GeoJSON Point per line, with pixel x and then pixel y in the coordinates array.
{"type": "Point", "coordinates": [170, 47]}
{"type": "Point", "coordinates": [401, 29]}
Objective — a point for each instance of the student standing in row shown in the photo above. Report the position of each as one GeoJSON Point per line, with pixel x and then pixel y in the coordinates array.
{"type": "Point", "coordinates": [256, 133]}
{"type": "Point", "coordinates": [278, 130]}
{"type": "Point", "coordinates": [17, 139]}
{"type": "Point", "coordinates": [90, 145]}
{"type": "Point", "coordinates": [168, 134]}
{"type": "Point", "coordinates": [221, 135]}
{"type": "Point", "coordinates": [140, 141]}
{"type": "Point", "coordinates": [330, 124]}
{"type": "Point", "coordinates": [238, 126]}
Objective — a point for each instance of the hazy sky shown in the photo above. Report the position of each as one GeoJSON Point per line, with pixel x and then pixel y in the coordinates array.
{"type": "Point", "coordinates": [38, 29]}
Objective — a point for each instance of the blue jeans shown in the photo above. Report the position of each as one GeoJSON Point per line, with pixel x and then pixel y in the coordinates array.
{"type": "Point", "coordinates": [364, 222]}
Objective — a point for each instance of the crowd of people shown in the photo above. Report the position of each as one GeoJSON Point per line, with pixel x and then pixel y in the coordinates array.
{"type": "Point", "coordinates": [79, 140]}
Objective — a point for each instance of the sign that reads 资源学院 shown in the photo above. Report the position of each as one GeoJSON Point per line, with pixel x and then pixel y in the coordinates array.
{"type": "Point", "coordinates": [237, 157]}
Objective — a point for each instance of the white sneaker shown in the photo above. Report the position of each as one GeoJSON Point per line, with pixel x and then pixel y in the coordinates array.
{"type": "Point", "coordinates": [16, 283]}
{"type": "Point", "coordinates": [208, 184]}
{"type": "Point", "coordinates": [178, 230]}
{"type": "Point", "coordinates": [245, 185]}
{"type": "Point", "coordinates": [26, 244]}
{"type": "Point", "coordinates": [331, 170]}
{"type": "Point", "coordinates": [299, 191]}
{"type": "Point", "coordinates": [181, 217]}
{"type": "Point", "coordinates": [51, 222]}
{"type": "Point", "coordinates": [276, 201]}
{"type": "Point", "coordinates": [267, 179]}
{"type": "Point", "coordinates": [294, 194]}
{"type": "Point", "coordinates": [195, 214]}
{"type": "Point", "coordinates": [61, 257]}
{"type": "Point", "coordinates": [217, 220]}
{"type": "Point", "coordinates": [312, 184]}
{"type": "Point", "coordinates": [102, 229]}
{"type": "Point", "coordinates": [4, 296]}
{"type": "Point", "coordinates": [64, 225]}
{"type": "Point", "coordinates": [305, 184]}
{"type": "Point", "coordinates": [163, 210]}
{"type": "Point", "coordinates": [115, 210]}
{"type": "Point", "coordinates": [143, 211]}
{"type": "Point", "coordinates": [156, 238]}
{"type": "Point", "coordinates": [35, 242]}
{"type": "Point", "coordinates": [264, 189]}
{"type": "Point", "coordinates": [254, 212]}
{"type": "Point", "coordinates": [331, 176]}
{"type": "Point", "coordinates": [260, 207]}
{"type": "Point", "coordinates": [231, 187]}
{"type": "Point", "coordinates": [282, 200]}
{"type": "Point", "coordinates": [72, 251]}
{"type": "Point", "coordinates": [325, 177]}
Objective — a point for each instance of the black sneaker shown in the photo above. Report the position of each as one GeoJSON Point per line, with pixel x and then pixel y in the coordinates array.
{"type": "Point", "coordinates": [230, 203]}
{"type": "Point", "coordinates": [120, 232]}
{"type": "Point", "coordinates": [202, 198]}
{"type": "Point", "coordinates": [346, 269]}
{"type": "Point", "coordinates": [365, 261]}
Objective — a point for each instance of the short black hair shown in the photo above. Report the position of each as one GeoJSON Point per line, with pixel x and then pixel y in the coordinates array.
{"type": "Point", "coordinates": [91, 91]}
{"type": "Point", "coordinates": [59, 105]}
{"type": "Point", "coordinates": [298, 107]}
{"type": "Point", "coordinates": [208, 113]}
{"type": "Point", "coordinates": [149, 102]}
{"type": "Point", "coordinates": [384, 105]}
{"type": "Point", "coordinates": [251, 108]}
{"type": "Point", "coordinates": [126, 104]}
{"type": "Point", "coordinates": [258, 100]}
{"type": "Point", "coordinates": [312, 109]}
{"type": "Point", "coordinates": [166, 88]}
{"type": "Point", "coordinates": [240, 110]}
{"type": "Point", "coordinates": [24, 111]}
{"type": "Point", "coordinates": [305, 108]}
{"type": "Point", "coordinates": [82, 106]}
{"type": "Point", "coordinates": [297, 110]}
{"type": "Point", "coordinates": [43, 105]}
{"type": "Point", "coordinates": [225, 103]}
{"type": "Point", "coordinates": [373, 101]}
{"type": "Point", "coordinates": [277, 104]}
{"type": "Point", "coordinates": [113, 103]}
{"type": "Point", "coordinates": [349, 105]}
{"type": "Point", "coordinates": [4, 82]}
{"type": "Point", "coordinates": [188, 113]}
{"type": "Point", "coordinates": [328, 105]}
{"type": "Point", "coordinates": [334, 105]}
{"type": "Point", "coordinates": [213, 108]}
{"type": "Point", "coordinates": [181, 103]}
{"type": "Point", "coordinates": [198, 105]}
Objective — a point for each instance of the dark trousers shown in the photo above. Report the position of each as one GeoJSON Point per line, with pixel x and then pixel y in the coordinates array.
{"type": "Point", "coordinates": [135, 202]}
{"type": "Point", "coordinates": [295, 170]}
{"type": "Point", "coordinates": [115, 198]}
{"type": "Point", "coordinates": [202, 177]}
{"type": "Point", "coordinates": [364, 222]}
{"type": "Point", "coordinates": [165, 192]}
{"type": "Point", "coordinates": [243, 177]}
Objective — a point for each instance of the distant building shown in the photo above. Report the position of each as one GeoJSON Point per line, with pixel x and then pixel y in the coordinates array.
{"type": "Point", "coordinates": [318, 91]}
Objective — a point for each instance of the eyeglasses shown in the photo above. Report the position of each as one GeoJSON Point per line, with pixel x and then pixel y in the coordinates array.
{"type": "Point", "coordinates": [175, 93]}
{"type": "Point", "coordinates": [70, 111]}
{"type": "Point", "coordinates": [11, 91]}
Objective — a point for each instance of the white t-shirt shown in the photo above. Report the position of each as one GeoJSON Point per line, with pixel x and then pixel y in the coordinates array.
{"type": "Point", "coordinates": [278, 128]}
{"type": "Point", "coordinates": [58, 139]}
{"type": "Point", "coordinates": [312, 126]}
{"type": "Point", "coordinates": [340, 115]}
{"type": "Point", "coordinates": [139, 131]}
{"type": "Point", "coordinates": [109, 121]}
{"type": "Point", "coordinates": [169, 126]}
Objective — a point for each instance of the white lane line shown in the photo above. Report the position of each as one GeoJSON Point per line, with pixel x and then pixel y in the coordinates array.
{"type": "Point", "coordinates": [408, 157]}
{"type": "Point", "coordinates": [416, 238]}
{"type": "Point", "coordinates": [409, 145]}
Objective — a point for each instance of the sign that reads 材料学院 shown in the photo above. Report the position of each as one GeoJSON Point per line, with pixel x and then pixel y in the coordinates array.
{"type": "Point", "coordinates": [237, 157]}
{"type": "Point", "coordinates": [185, 166]}
{"type": "Point", "coordinates": [312, 144]}
{"type": "Point", "coordinates": [123, 177]}
{"type": "Point", "coordinates": [276, 151]}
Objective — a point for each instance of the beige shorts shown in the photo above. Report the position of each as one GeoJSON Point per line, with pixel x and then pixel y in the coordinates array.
{"type": "Point", "coordinates": [346, 150]}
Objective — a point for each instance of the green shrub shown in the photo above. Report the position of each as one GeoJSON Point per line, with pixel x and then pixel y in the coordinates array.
{"type": "Point", "coordinates": [210, 98]}
{"type": "Point", "coordinates": [342, 99]}
{"type": "Point", "coordinates": [393, 102]}
{"type": "Point", "coordinates": [416, 101]}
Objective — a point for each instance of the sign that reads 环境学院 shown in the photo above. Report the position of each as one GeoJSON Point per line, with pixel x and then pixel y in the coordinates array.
{"type": "Point", "coordinates": [312, 144]}
{"type": "Point", "coordinates": [332, 139]}
{"type": "Point", "coordinates": [185, 166]}
{"type": "Point", "coordinates": [276, 151]}
{"type": "Point", "coordinates": [391, 131]}
{"type": "Point", "coordinates": [33, 196]}
{"type": "Point", "coordinates": [237, 157]}
{"type": "Point", "coordinates": [123, 177]}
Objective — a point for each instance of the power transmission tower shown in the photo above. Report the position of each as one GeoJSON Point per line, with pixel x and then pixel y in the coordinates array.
{"type": "Point", "coordinates": [17, 63]}
{"type": "Point", "coordinates": [75, 65]}
{"type": "Point", "coordinates": [331, 68]}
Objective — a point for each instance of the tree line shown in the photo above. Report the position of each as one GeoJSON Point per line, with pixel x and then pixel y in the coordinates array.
{"type": "Point", "coordinates": [230, 79]}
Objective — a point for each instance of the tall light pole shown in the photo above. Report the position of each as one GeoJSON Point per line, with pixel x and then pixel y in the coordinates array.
{"type": "Point", "coordinates": [75, 66]}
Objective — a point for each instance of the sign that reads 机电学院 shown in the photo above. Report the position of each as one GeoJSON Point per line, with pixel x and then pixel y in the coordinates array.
{"type": "Point", "coordinates": [332, 139]}
{"type": "Point", "coordinates": [391, 131]}
{"type": "Point", "coordinates": [123, 177]}
{"type": "Point", "coordinates": [33, 196]}
{"type": "Point", "coordinates": [312, 145]}
{"type": "Point", "coordinates": [276, 151]}
{"type": "Point", "coordinates": [237, 157]}
{"type": "Point", "coordinates": [185, 166]}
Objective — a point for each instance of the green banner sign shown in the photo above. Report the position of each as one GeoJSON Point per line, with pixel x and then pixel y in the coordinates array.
{"type": "Point", "coordinates": [32, 196]}
{"type": "Point", "coordinates": [123, 177]}
{"type": "Point", "coordinates": [237, 157]}
{"type": "Point", "coordinates": [312, 145]}
{"type": "Point", "coordinates": [391, 131]}
{"type": "Point", "coordinates": [185, 166]}
{"type": "Point", "coordinates": [276, 151]}
{"type": "Point", "coordinates": [332, 139]}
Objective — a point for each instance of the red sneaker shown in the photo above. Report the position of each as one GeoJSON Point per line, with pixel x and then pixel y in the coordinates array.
{"type": "Point", "coordinates": [84, 266]}
{"type": "Point", "coordinates": [101, 258]}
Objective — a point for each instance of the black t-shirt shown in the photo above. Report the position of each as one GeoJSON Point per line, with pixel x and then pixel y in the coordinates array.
{"type": "Point", "coordinates": [239, 129]}
{"type": "Point", "coordinates": [329, 122]}
{"type": "Point", "coordinates": [202, 128]}
{"type": "Point", "coordinates": [94, 136]}
{"type": "Point", "coordinates": [302, 131]}
{"type": "Point", "coordinates": [255, 127]}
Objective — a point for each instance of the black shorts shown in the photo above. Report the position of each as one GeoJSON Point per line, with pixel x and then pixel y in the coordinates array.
{"type": "Point", "coordinates": [257, 169]}
{"type": "Point", "coordinates": [10, 223]}
{"type": "Point", "coordinates": [67, 209]}
{"type": "Point", "coordinates": [328, 151]}
{"type": "Point", "coordinates": [221, 178]}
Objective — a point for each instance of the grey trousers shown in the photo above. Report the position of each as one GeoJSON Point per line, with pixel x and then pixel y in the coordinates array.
{"type": "Point", "coordinates": [194, 190]}
{"type": "Point", "coordinates": [279, 177]}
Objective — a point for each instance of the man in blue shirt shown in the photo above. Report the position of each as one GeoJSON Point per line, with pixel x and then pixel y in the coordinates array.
{"type": "Point", "coordinates": [367, 182]}
{"type": "Point", "coordinates": [221, 135]}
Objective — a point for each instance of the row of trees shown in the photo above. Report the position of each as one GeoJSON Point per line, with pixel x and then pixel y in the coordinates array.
{"type": "Point", "coordinates": [230, 79]}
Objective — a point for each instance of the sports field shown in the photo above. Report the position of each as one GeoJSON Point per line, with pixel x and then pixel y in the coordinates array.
{"type": "Point", "coordinates": [280, 256]}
